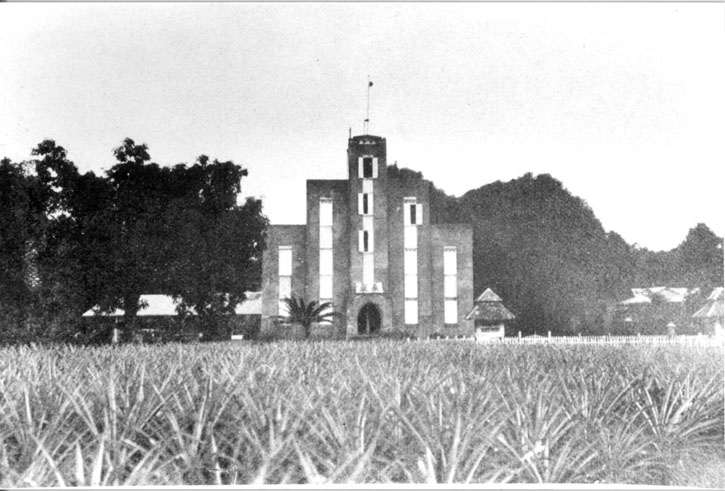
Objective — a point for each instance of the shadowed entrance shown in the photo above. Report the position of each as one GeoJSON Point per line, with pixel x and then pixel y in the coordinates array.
{"type": "Point", "coordinates": [368, 320]}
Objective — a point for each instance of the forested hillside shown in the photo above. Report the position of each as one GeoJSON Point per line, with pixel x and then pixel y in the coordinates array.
{"type": "Point", "coordinates": [547, 255]}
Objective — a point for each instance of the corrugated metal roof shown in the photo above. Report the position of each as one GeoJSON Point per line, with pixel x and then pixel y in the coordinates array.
{"type": "Point", "coordinates": [165, 305]}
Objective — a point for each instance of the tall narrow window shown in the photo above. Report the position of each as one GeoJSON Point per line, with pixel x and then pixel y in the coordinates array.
{"type": "Point", "coordinates": [365, 241]}
{"type": "Point", "coordinates": [366, 236]}
{"type": "Point", "coordinates": [410, 261]}
{"type": "Point", "coordinates": [367, 167]}
{"type": "Point", "coordinates": [365, 203]}
{"type": "Point", "coordinates": [411, 311]}
{"type": "Point", "coordinates": [285, 277]}
{"type": "Point", "coordinates": [326, 257]}
{"type": "Point", "coordinates": [450, 285]}
{"type": "Point", "coordinates": [412, 211]}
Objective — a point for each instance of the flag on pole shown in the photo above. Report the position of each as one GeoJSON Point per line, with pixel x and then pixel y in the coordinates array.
{"type": "Point", "coordinates": [370, 84]}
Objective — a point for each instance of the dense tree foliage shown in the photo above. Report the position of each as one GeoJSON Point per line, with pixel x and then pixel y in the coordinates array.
{"type": "Point", "coordinates": [70, 241]}
{"type": "Point", "coordinates": [547, 255]}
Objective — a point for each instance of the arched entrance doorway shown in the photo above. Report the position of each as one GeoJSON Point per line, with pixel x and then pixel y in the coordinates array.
{"type": "Point", "coordinates": [368, 319]}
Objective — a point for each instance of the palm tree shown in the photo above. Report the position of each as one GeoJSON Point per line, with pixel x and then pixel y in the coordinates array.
{"type": "Point", "coordinates": [306, 314]}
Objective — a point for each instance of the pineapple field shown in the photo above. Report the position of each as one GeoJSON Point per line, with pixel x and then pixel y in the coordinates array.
{"type": "Point", "coordinates": [361, 412]}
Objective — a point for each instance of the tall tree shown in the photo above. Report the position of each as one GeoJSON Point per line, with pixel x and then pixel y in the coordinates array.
{"type": "Point", "coordinates": [212, 274]}
{"type": "Point", "coordinates": [58, 292]}
{"type": "Point", "coordinates": [38, 269]}
{"type": "Point", "coordinates": [178, 231]}
{"type": "Point", "coordinates": [16, 232]}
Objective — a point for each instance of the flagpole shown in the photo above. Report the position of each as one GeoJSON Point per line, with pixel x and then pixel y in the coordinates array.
{"type": "Point", "coordinates": [367, 114]}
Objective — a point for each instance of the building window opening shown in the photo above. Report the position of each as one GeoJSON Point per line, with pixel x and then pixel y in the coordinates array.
{"type": "Point", "coordinates": [326, 259]}
{"type": "Point", "coordinates": [367, 167]}
{"type": "Point", "coordinates": [411, 311]}
{"type": "Point", "coordinates": [366, 240]}
{"type": "Point", "coordinates": [365, 204]}
{"type": "Point", "coordinates": [368, 319]}
{"type": "Point", "coordinates": [410, 260]}
{"type": "Point", "coordinates": [285, 278]}
{"type": "Point", "coordinates": [450, 285]}
{"type": "Point", "coordinates": [413, 211]}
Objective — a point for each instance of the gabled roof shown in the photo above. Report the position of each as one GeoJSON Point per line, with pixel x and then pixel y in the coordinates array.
{"type": "Point", "coordinates": [488, 307]}
{"type": "Point", "coordinates": [165, 306]}
{"type": "Point", "coordinates": [490, 311]}
{"type": "Point", "coordinates": [488, 296]}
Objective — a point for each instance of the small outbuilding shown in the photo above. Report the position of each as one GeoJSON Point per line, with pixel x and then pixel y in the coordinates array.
{"type": "Point", "coordinates": [489, 316]}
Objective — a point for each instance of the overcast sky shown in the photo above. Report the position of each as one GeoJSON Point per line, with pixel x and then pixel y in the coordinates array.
{"type": "Point", "coordinates": [623, 103]}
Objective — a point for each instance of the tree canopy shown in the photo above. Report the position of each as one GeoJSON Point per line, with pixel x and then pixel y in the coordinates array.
{"type": "Point", "coordinates": [548, 256]}
{"type": "Point", "coordinates": [70, 241]}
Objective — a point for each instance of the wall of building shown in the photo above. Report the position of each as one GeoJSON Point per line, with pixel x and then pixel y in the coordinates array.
{"type": "Point", "coordinates": [460, 236]}
{"type": "Point", "coordinates": [398, 189]}
{"type": "Point", "coordinates": [339, 192]}
{"type": "Point", "coordinates": [282, 235]}
{"type": "Point", "coordinates": [388, 218]}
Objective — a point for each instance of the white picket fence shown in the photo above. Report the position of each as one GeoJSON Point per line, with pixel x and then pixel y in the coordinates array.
{"type": "Point", "coordinates": [697, 340]}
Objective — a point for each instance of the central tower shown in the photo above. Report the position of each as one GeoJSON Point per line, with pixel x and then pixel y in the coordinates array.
{"type": "Point", "coordinates": [369, 276]}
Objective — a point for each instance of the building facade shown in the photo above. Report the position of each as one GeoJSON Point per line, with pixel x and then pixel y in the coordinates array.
{"type": "Point", "coordinates": [369, 247]}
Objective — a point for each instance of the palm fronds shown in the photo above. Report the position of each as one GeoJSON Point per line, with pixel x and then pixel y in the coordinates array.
{"type": "Point", "coordinates": [307, 313]}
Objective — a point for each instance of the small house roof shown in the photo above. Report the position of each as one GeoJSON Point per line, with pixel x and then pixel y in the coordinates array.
{"type": "Point", "coordinates": [490, 311]}
{"type": "Point", "coordinates": [489, 307]}
{"type": "Point", "coordinates": [488, 296]}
